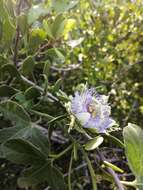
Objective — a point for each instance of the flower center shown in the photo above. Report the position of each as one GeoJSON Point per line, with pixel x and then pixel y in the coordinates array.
{"type": "Point", "coordinates": [92, 110]}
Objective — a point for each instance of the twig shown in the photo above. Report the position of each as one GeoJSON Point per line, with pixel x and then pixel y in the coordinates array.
{"type": "Point", "coordinates": [17, 35]}
{"type": "Point", "coordinates": [69, 68]}
{"type": "Point", "coordinates": [16, 46]}
{"type": "Point", "coordinates": [38, 88]}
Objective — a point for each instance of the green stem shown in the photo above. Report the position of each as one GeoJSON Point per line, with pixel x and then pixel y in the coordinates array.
{"type": "Point", "coordinates": [69, 172]}
{"type": "Point", "coordinates": [33, 77]}
{"type": "Point", "coordinates": [129, 183]}
{"type": "Point", "coordinates": [117, 141]}
{"type": "Point", "coordinates": [57, 156]}
{"type": "Point", "coordinates": [38, 88]}
{"type": "Point", "coordinates": [91, 170]}
{"type": "Point", "coordinates": [45, 115]}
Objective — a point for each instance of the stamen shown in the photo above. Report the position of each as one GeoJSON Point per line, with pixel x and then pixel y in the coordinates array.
{"type": "Point", "coordinates": [92, 110]}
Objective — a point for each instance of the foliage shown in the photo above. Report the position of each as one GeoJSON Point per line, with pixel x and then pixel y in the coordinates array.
{"type": "Point", "coordinates": [48, 50]}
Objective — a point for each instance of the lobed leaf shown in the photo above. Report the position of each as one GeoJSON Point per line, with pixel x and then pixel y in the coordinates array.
{"type": "Point", "coordinates": [15, 112]}
{"type": "Point", "coordinates": [21, 151]}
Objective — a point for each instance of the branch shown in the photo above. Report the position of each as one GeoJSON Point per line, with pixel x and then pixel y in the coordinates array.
{"type": "Point", "coordinates": [38, 88]}
{"type": "Point", "coordinates": [17, 35]}
{"type": "Point", "coordinates": [69, 68]}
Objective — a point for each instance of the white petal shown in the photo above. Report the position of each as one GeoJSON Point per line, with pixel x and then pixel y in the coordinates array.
{"type": "Point", "coordinates": [83, 117]}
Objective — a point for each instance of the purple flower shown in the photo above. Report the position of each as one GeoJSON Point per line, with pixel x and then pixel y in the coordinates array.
{"type": "Point", "coordinates": [92, 110]}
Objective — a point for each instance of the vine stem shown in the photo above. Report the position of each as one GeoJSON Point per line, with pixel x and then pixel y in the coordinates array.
{"type": "Point", "coordinates": [91, 170]}
{"type": "Point", "coordinates": [69, 172]}
{"type": "Point", "coordinates": [57, 156]}
{"type": "Point", "coordinates": [110, 170]}
{"type": "Point", "coordinates": [38, 88]}
{"type": "Point", "coordinates": [112, 173]}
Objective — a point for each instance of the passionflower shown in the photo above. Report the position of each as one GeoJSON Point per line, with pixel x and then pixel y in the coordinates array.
{"type": "Point", "coordinates": [92, 110]}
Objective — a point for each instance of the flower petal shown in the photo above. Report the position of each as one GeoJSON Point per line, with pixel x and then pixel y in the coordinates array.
{"type": "Point", "coordinates": [83, 117]}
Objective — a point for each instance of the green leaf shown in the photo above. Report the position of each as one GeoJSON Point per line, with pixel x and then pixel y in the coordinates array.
{"type": "Point", "coordinates": [134, 148]}
{"type": "Point", "coordinates": [37, 36]}
{"type": "Point", "coordinates": [35, 134]}
{"type": "Point", "coordinates": [63, 5]}
{"type": "Point", "coordinates": [69, 26]}
{"type": "Point", "coordinates": [39, 139]}
{"type": "Point", "coordinates": [57, 86]}
{"type": "Point", "coordinates": [7, 133]}
{"type": "Point", "coordinates": [24, 133]}
{"type": "Point", "coordinates": [33, 176]}
{"type": "Point", "coordinates": [37, 175]}
{"type": "Point", "coordinates": [58, 26]}
{"type": "Point", "coordinates": [45, 85]}
{"type": "Point", "coordinates": [94, 143]}
{"type": "Point", "coordinates": [48, 28]}
{"type": "Point", "coordinates": [1, 30]}
{"type": "Point", "coordinates": [20, 98]}
{"type": "Point", "coordinates": [56, 55]}
{"type": "Point", "coordinates": [8, 33]}
{"type": "Point", "coordinates": [139, 183]}
{"type": "Point", "coordinates": [3, 60]}
{"type": "Point", "coordinates": [22, 23]}
{"type": "Point", "coordinates": [35, 12]}
{"type": "Point", "coordinates": [62, 96]}
{"type": "Point", "coordinates": [55, 179]}
{"type": "Point", "coordinates": [15, 113]}
{"type": "Point", "coordinates": [10, 5]}
{"type": "Point", "coordinates": [21, 151]}
{"type": "Point", "coordinates": [32, 93]}
{"type": "Point", "coordinates": [7, 27]}
{"type": "Point", "coordinates": [28, 65]}
{"type": "Point", "coordinates": [14, 132]}
{"type": "Point", "coordinates": [10, 70]}
{"type": "Point", "coordinates": [7, 91]}
{"type": "Point", "coordinates": [46, 68]}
